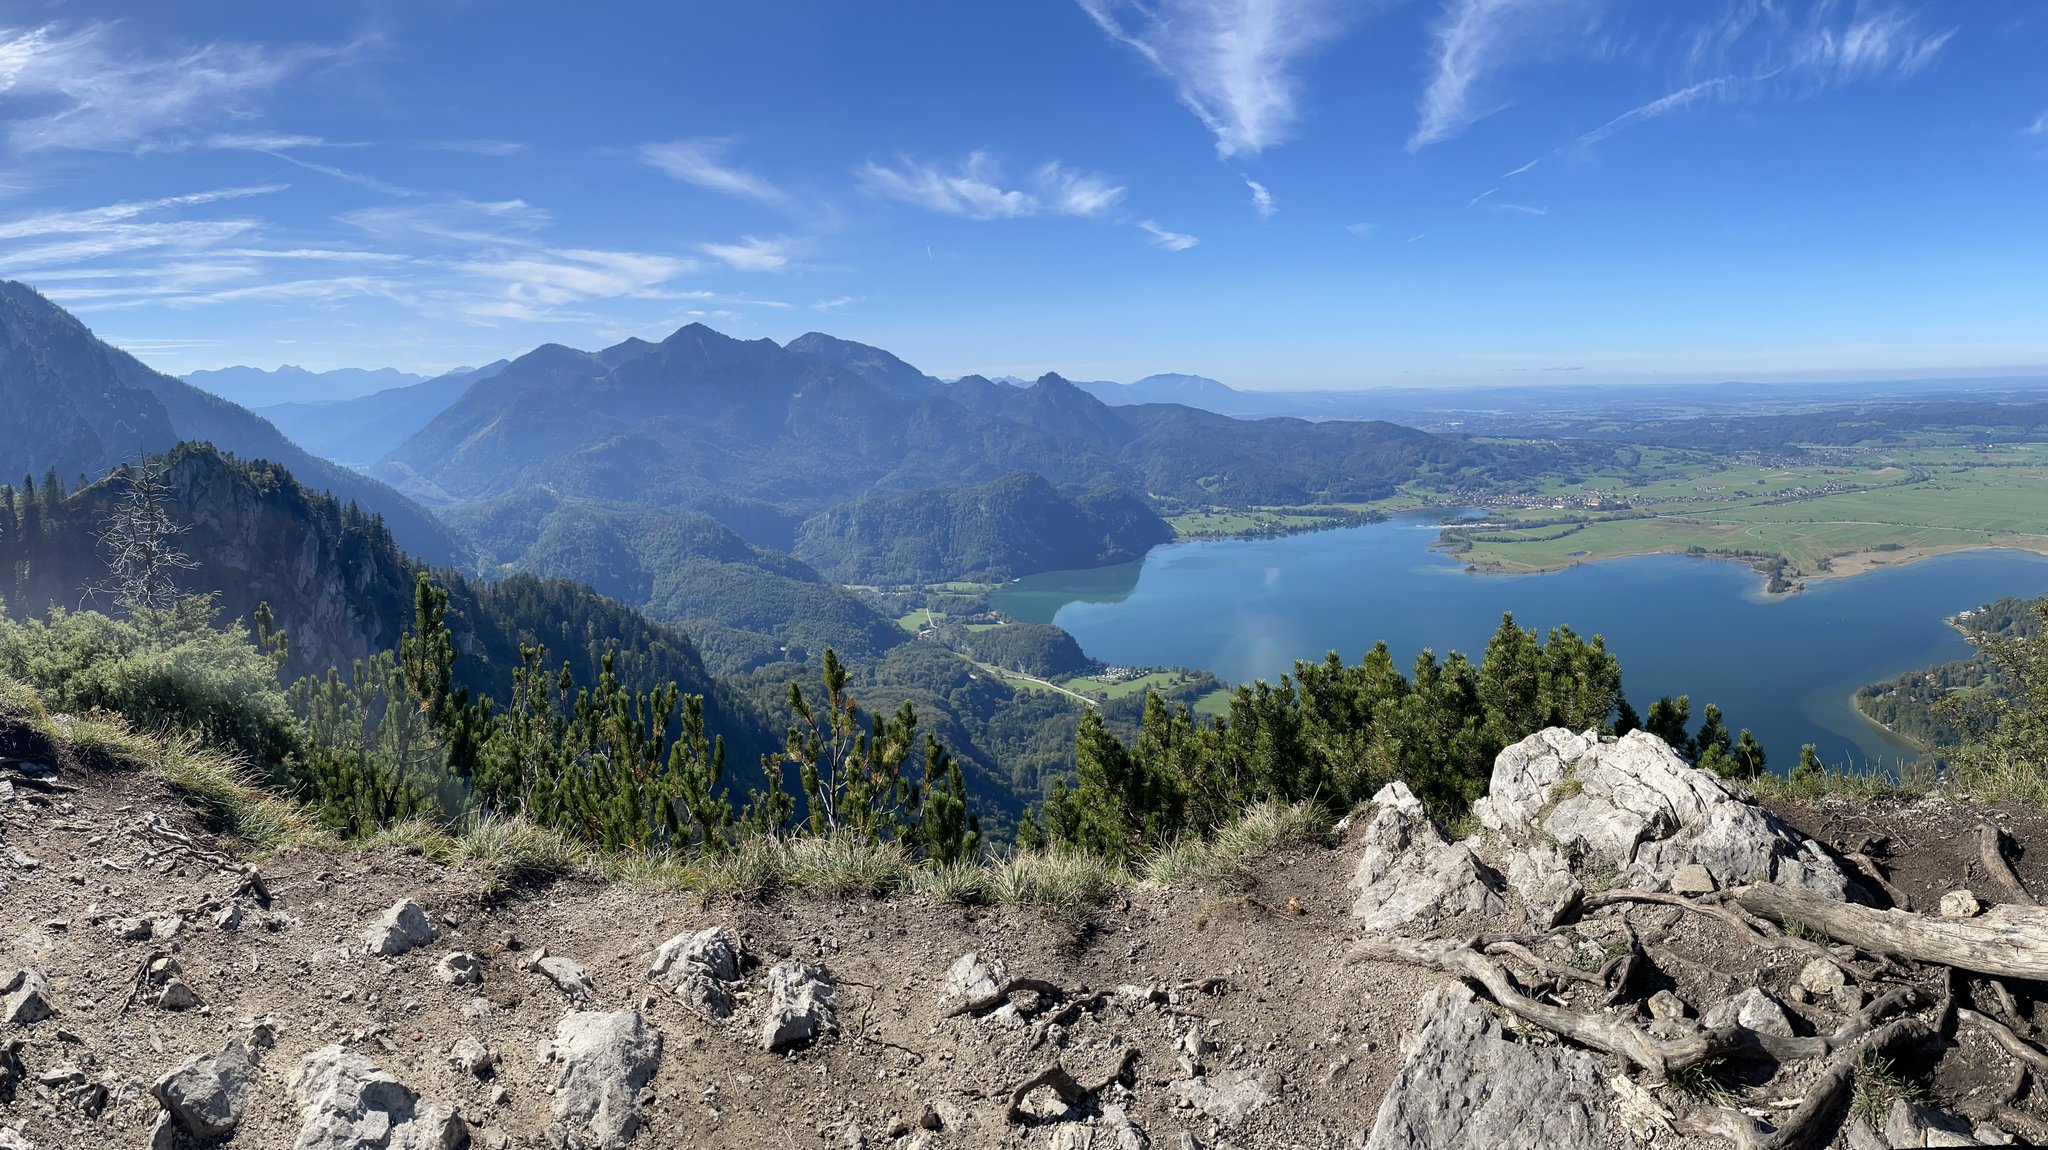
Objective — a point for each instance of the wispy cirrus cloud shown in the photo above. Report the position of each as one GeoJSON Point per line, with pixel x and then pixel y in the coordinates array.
{"type": "Point", "coordinates": [702, 162]}
{"type": "Point", "coordinates": [1234, 63]}
{"type": "Point", "coordinates": [84, 87]}
{"type": "Point", "coordinates": [2038, 127]}
{"type": "Point", "coordinates": [1512, 209]}
{"type": "Point", "coordinates": [1165, 240]}
{"type": "Point", "coordinates": [974, 189]}
{"type": "Point", "coordinates": [493, 148]}
{"type": "Point", "coordinates": [754, 254]}
{"type": "Point", "coordinates": [1471, 42]}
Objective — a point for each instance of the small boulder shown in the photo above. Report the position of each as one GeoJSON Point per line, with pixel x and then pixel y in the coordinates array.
{"type": "Point", "coordinates": [402, 928]}
{"type": "Point", "coordinates": [352, 1103]}
{"type": "Point", "coordinates": [208, 1094]}
{"type": "Point", "coordinates": [1692, 879]}
{"type": "Point", "coordinates": [1754, 1009]}
{"type": "Point", "coordinates": [1821, 978]}
{"type": "Point", "coordinates": [472, 1057]}
{"type": "Point", "coordinates": [229, 917]}
{"type": "Point", "coordinates": [132, 929]}
{"type": "Point", "coordinates": [972, 976]}
{"type": "Point", "coordinates": [1228, 1096]}
{"type": "Point", "coordinates": [800, 1005]}
{"type": "Point", "coordinates": [714, 952]}
{"type": "Point", "coordinates": [459, 968]}
{"type": "Point", "coordinates": [25, 998]}
{"type": "Point", "coordinates": [601, 1062]}
{"type": "Point", "coordinates": [177, 994]}
{"type": "Point", "coordinates": [1543, 880]}
{"type": "Point", "coordinates": [1667, 1007]}
{"type": "Point", "coordinates": [1911, 1124]}
{"type": "Point", "coordinates": [1960, 904]}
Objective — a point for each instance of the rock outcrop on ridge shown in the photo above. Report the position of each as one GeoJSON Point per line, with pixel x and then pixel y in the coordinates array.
{"type": "Point", "coordinates": [1582, 970]}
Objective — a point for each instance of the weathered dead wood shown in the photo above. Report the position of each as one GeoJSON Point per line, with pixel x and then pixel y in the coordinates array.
{"type": "Point", "coordinates": [2005, 941]}
{"type": "Point", "coordinates": [1733, 917]}
{"type": "Point", "coordinates": [2025, 1052]}
{"type": "Point", "coordinates": [2028, 1129]}
{"type": "Point", "coordinates": [1609, 1035]}
{"type": "Point", "coordinates": [1810, 1124]}
{"type": "Point", "coordinates": [1868, 867]}
{"type": "Point", "coordinates": [1557, 971]}
{"type": "Point", "coordinates": [1001, 997]}
{"type": "Point", "coordinates": [1060, 1082]}
{"type": "Point", "coordinates": [1991, 856]}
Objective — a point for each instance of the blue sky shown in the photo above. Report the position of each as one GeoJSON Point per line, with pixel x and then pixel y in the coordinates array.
{"type": "Point", "coordinates": [1278, 193]}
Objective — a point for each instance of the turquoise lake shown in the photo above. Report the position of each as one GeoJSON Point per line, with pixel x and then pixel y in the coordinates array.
{"type": "Point", "coordinates": [1784, 666]}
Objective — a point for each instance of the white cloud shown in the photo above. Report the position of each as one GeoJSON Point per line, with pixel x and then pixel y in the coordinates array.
{"type": "Point", "coordinates": [360, 179]}
{"type": "Point", "coordinates": [1517, 209]}
{"type": "Point", "coordinates": [2039, 126]}
{"type": "Point", "coordinates": [702, 162]}
{"type": "Point", "coordinates": [1234, 63]}
{"type": "Point", "coordinates": [1262, 200]}
{"type": "Point", "coordinates": [1874, 42]}
{"type": "Point", "coordinates": [752, 254]}
{"type": "Point", "coordinates": [1473, 40]}
{"type": "Point", "coordinates": [833, 304]}
{"type": "Point", "coordinates": [1662, 105]}
{"type": "Point", "coordinates": [554, 277]}
{"type": "Point", "coordinates": [1360, 229]}
{"type": "Point", "coordinates": [1166, 240]}
{"type": "Point", "coordinates": [496, 148]}
{"type": "Point", "coordinates": [973, 189]}
{"type": "Point", "coordinates": [85, 90]}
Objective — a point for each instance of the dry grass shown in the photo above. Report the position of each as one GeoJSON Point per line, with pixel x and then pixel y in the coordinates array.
{"type": "Point", "coordinates": [1060, 885]}
{"type": "Point", "coordinates": [1843, 783]}
{"type": "Point", "coordinates": [1224, 860]}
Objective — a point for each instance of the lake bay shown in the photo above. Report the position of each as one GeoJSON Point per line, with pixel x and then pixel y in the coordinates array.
{"type": "Point", "coordinates": [1784, 666]}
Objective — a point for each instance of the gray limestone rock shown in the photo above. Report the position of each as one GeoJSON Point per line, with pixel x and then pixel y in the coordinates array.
{"type": "Point", "coordinates": [1632, 805]}
{"type": "Point", "coordinates": [402, 928]}
{"type": "Point", "coordinates": [1544, 882]}
{"type": "Point", "coordinates": [1466, 1087]}
{"type": "Point", "coordinates": [209, 1093]}
{"type": "Point", "coordinates": [459, 968]}
{"type": "Point", "coordinates": [353, 1104]}
{"type": "Point", "coordinates": [800, 1005]}
{"type": "Point", "coordinates": [601, 1062]}
{"type": "Point", "coordinates": [1754, 1009]}
{"type": "Point", "coordinates": [568, 976]}
{"type": "Point", "coordinates": [25, 998]}
{"type": "Point", "coordinates": [972, 976]}
{"type": "Point", "coordinates": [1407, 870]}
{"type": "Point", "coordinates": [706, 965]}
{"type": "Point", "coordinates": [1228, 1096]}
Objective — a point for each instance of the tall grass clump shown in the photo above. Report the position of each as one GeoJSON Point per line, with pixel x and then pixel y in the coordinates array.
{"type": "Point", "coordinates": [1060, 884]}
{"type": "Point", "coordinates": [1224, 859]}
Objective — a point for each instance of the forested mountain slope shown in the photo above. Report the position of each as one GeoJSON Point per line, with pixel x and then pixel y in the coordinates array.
{"type": "Point", "coordinates": [340, 586]}
{"type": "Point", "coordinates": [358, 432]}
{"type": "Point", "coordinates": [74, 404]}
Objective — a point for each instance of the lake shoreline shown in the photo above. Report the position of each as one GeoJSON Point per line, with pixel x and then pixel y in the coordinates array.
{"type": "Point", "coordinates": [1839, 567]}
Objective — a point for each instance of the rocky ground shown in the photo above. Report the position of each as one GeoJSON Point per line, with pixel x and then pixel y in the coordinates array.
{"type": "Point", "coordinates": [161, 992]}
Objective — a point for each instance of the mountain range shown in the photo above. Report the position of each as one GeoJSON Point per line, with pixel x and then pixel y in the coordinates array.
{"type": "Point", "coordinates": [357, 432]}
{"type": "Point", "coordinates": [259, 387]}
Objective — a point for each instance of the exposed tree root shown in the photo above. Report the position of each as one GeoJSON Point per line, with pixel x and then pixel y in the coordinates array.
{"type": "Point", "coordinates": [1809, 1124]}
{"type": "Point", "coordinates": [1991, 855]}
{"type": "Point", "coordinates": [1001, 997]}
{"type": "Point", "coordinates": [1060, 1082]}
{"type": "Point", "coordinates": [2026, 1053]}
{"type": "Point", "coordinates": [2005, 941]}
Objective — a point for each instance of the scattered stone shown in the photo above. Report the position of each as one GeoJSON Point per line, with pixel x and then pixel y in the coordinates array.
{"type": "Point", "coordinates": [208, 1094]}
{"type": "Point", "coordinates": [1407, 870]}
{"type": "Point", "coordinates": [800, 1005]}
{"type": "Point", "coordinates": [1466, 1087]}
{"type": "Point", "coordinates": [1911, 1124]}
{"type": "Point", "coordinates": [1666, 1006]}
{"type": "Point", "coordinates": [1692, 879]}
{"type": "Point", "coordinates": [133, 929]}
{"type": "Point", "coordinates": [1634, 806]}
{"type": "Point", "coordinates": [1960, 904]}
{"type": "Point", "coordinates": [568, 976]}
{"type": "Point", "coordinates": [1821, 978]}
{"type": "Point", "coordinates": [472, 1057]}
{"type": "Point", "coordinates": [602, 1061]}
{"type": "Point", "coordinates": [459, 968]}
{"type": "Point", "coordinates": [20, 861]}
{"type": "Point", "coordinates": [714, 952]}
{"type": "Point", "coordinates": [1754, 1009]}
{"type": "Point", "coordinates": [177, 995]}
{"type": "Point", "coordinates": [229, 918]}
{"type": "Point", "coordinates": [166, 927]}
{"type": "Point", "coordinates": [351, 1103]}
{"type": "Point", "coordinates": [1228, 1096]}
{"type": "Point", "coordinates": [972, 976]}
{"type": "Point", "coordinates": [402, 928]}
{"type": "Point", "coordinates": [25, 998]}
